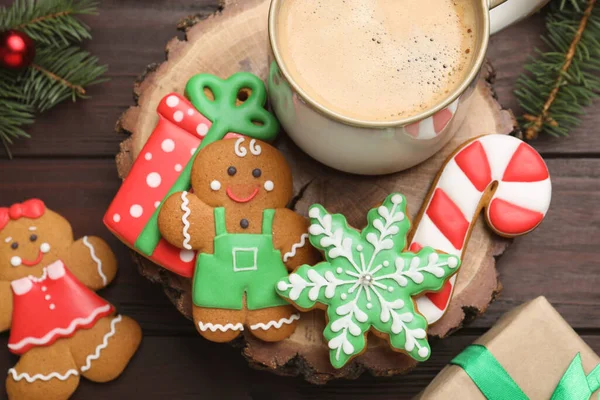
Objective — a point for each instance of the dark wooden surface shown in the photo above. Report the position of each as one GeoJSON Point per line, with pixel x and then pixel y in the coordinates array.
{"type": "Point", "coordinates": [70, 164]}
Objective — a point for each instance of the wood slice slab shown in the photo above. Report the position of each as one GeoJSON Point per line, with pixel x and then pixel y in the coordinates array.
{"type": "Point", "coordinates": [235, 39]}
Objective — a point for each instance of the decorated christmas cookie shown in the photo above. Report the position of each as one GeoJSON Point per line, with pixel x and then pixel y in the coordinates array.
{"type": "Point", "coordinates": [500, 173]}
{"type": "Point", "coordinates": [369, 281]}
{"type": "Point", "coordinates": [215, 110]}
{"type": "Point", "coordinates": [61, 329]}
{"type": "Point", "coordinates": [246, 239]}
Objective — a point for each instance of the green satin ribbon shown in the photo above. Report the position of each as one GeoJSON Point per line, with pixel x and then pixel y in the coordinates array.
{"type": "Point", "coordinates": [495, 383]}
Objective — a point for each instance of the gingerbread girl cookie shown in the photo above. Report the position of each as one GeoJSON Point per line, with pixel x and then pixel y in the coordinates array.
{"type": "Point", "coordinates": [61, 329]}
{"type": "Point", "coordinates": [245, 238]}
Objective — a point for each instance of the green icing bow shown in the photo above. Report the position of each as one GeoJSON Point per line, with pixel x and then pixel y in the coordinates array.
{"type": "Point", "coordinates": [249, 118]}
{"type": "Point", "coordinates": [495, 383]}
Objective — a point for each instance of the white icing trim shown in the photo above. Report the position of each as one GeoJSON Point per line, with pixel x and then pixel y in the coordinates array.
{"type": "Point", "coordinates": [60, 331]}
{"type": "Point", "coordinates": [239, 150]}
{"type": "Point", "coordinates": [255, 148]}
{"type": "Point", "coordinates": [21, 286]}
{"type": "Point", "coordinates": [276, 324]}
{"type": "Point", "coordinates": [96, 259]}
{"type": "Point", "coordinates": [184, 219]}
{"type": "Point", "coordinates": [103, 345]}
{"type": "Point", "coordinates": [41, 278]}
{"type": "Point", "coordinates": [40, 377]}
{"type": "Point", "coordinates": [296, 246]}
{"type": "Point", "coordinates": [56, 270]}
{"type": "Point", "coordinates": [32, 228]}
{"type": "Point", "coordinates": [218, 327]}
{"type": "Point", "coordinates": [72, 372]}
{"type": "Point", "coordinates": [8, 240]}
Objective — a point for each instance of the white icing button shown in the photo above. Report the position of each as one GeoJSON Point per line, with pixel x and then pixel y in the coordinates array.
{"type": "Point", "coordinates": [386, 263]}
{"type": "Point", "coordinates": [156, 204]}
{"type": "Point", "coordinates": [359, 247]}
{"type": "Point", "coordinates": [15, 261]}
{"type": "Point", "coordinates": [178, 167]}
{"type": "Point", "coordinates": [172, 101]}
{"type": "Point", "coordinates": [339, 270]}
{"type": "Point", "coordinates": [136, 211]}
{"type": "Point", "coordinates": [369, 306]}
{"type": "Point", "coordinates": [191, 112]}
{"type": "Point", "coordinates": [186, 255]}
{"type": "Point", "coordinates": [344, 296]}
{"type": "Point", "coordinates": [423, 352]}
{"type": "Point", "coordinates": [168, 145]}
{"type": "Point", "coordinates": [313, 212]}
{"type": "Point", "coordinates": [202, 129]}
{"type": "Point", "coordinates": [215, 185]}
{"type": "Point", "coordinates": [281, 285]}
{"type": "Point", "coordinates": [397, 199]}
{"type": "Point", "coordinates": [52, 306]}
{"type": "Point", "coordinates": [44, 288]}
{"type": "Point", "coordinates": [148, 156]}
{"type": "Point", "coordinates": [269, 186]}
{"type": "Point", "coordinates": [390, 289]}
{"type": "Point", "coordinates": [45, 247]}
{"type": "Point", "coordinates": [153, 179]}
{"type": "Point", "coordinates": [47, 297]}
{"type": "Point", "coordinates": [192, 151]}
{"type": "Point", "coordinates": [178, 116]}
{"type": "Point", "coordinates": [116, 218]}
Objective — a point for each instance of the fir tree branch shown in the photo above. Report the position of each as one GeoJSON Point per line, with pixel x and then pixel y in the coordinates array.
{"type": "Point", "coordinates": [59, 74]}
{"type": "Point", "coordinates": [51, 22]}
{"type": "Point", "coordinates": [562, 81]}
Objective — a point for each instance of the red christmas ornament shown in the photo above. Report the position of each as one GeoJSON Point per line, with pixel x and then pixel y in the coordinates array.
{"type": "Point", "coordinates": [16, 50]}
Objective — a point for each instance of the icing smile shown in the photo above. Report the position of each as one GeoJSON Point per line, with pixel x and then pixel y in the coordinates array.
{"type": "Point", "coordinates": [34, 262]}
{"type": "Point", "coordinates": [237, 199]}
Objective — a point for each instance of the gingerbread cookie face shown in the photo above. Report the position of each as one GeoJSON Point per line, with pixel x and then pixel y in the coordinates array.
{"type": "Point", "coordinates": [242, 173]}
{"type": "Point", "coordinates": [30, 239]}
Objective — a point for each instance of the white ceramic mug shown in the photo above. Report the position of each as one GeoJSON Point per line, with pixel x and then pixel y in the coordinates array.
{"type": "Point", "coordinates": [367, 147]}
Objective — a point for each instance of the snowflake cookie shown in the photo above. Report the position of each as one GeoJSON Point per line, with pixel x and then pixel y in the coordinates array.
{"type": "Point", "coordinates": [368, 281]}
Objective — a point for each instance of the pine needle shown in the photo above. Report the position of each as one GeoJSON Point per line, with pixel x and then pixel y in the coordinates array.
{"type": "Point", "coordinates": [562, 81]}
{"type": "Point", "coordinates": [51, 22]}
{"type": "Point", "coordinates": [59, 71]}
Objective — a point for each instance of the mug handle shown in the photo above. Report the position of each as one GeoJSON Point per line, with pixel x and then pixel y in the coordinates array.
{"type": "Point", "coordinates": [496, 3]}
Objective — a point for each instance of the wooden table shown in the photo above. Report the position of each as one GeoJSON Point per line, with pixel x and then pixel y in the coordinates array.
{"type": "Point", "coordinates": [70, 164]}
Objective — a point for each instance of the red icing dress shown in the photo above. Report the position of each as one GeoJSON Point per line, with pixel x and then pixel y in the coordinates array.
{"type": "Point", "coordinates": [52, 307]}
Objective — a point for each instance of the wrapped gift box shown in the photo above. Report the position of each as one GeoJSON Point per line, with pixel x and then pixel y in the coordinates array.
{"type": "Point", "coordinates": [179, 132]}
{"type": "Point", "coordinates": [535, 346]}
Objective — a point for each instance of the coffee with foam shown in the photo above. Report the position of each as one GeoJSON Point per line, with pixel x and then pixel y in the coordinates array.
{"type": "Point", "coordinates": [377, 60]}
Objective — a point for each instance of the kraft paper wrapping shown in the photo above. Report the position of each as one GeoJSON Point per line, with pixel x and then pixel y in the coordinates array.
{"type": "Point", "coordinates": [533, 343]}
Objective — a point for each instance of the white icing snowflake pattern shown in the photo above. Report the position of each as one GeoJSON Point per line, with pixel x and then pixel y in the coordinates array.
{"type": "Point", "coordinates": [369, 281]}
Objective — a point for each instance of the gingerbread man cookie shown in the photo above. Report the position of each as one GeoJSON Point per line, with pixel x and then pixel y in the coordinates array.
{"type": "Point", "coordinates": [245, 238]}
{"type": "Point", "coordinates": [61, 329]}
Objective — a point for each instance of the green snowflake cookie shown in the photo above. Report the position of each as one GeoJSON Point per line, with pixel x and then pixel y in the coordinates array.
{"type": "Point", "coordinates": [369, 281]}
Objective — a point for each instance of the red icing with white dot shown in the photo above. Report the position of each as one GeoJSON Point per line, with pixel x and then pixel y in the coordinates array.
{"type": "Point", "coordinates": [179, 132]}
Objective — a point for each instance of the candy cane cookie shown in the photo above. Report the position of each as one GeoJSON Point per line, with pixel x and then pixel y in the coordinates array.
{"type": "Point", "coordinates": [498, 173]}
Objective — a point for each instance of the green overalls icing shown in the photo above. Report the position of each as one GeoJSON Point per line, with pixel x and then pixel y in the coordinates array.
{"type": "Point", "coordinates": [241, 263]}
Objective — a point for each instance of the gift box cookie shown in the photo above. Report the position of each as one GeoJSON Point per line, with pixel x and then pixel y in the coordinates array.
{"type": "Point", "coordinates": [531, 353]}
{"type": "Point", "coordinates": [180, 131]}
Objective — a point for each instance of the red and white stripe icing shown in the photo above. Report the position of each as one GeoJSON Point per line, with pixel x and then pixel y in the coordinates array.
{"type": "Point", "coordinates": [518, 205]}
{"type": "Point", "coordinates": [434, 125]}
{"type": "Point", "coordinates": [179, 132]}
